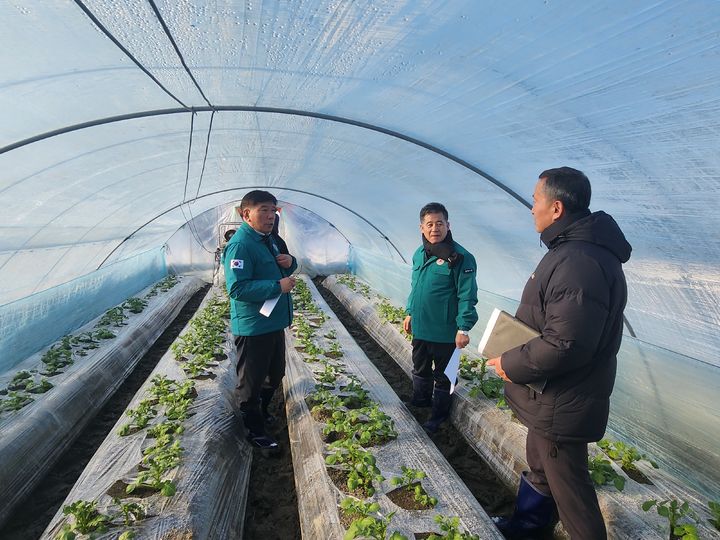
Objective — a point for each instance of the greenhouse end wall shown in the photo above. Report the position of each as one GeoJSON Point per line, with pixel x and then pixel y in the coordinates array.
{"type": "Point", "coordinates": [34, 322]}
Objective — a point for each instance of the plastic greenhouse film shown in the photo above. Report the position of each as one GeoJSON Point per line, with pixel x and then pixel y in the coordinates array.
{"type": "Point", "coordinates": [500, 441]}
{"type": "Point", "coordinates": [35, 436]}
{"type": "Point", "coordinates": [184, 459]}
{"type": "Point", "coordinates": [363, 390]}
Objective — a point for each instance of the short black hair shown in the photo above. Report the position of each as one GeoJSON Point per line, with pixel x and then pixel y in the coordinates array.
{"type": "Point", "coordinates": [229, 234]}
{"type": "Point", "coordinates": [569, 186]}
{"type": "Point", "coordinates": [256, 197]}
{"type": "Point", "coordinates": [433, 208]}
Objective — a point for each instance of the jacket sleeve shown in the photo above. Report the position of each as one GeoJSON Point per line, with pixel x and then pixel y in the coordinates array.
{"type": "Point", "coordinates": [577, 303]}
{"type": "Point", "coordinates": [239, 277]}
{"type": "Point", "coordinates": [413, 281]}
{"type": "Point", "coordinates": [466, 284]}
{"type": "Point", "coordinates": [293, 266]}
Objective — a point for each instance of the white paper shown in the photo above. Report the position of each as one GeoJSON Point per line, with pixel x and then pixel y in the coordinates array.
{"type": "Point", "coordinates": [268, 306]}
{"type": "Point", "coordinates": [488, 330]}
{"type": "Point", "coordinates": [452, 368]}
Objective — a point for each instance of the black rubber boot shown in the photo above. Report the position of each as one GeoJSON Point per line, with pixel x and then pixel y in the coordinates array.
{"type": "Point", "coordinates": [266, 395]}
{"type": "Point", "coordinates": [422, 391]}
{"type": "Point", "coordinates": [255, 426]}
{"type": "Point", "coordinates": [441, 401]}
{"type": "Point", "coordinates": [535, 513]}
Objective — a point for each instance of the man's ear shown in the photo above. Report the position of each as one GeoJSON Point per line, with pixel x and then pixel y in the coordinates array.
{"type": "Point", "coordinates": [558, 210]}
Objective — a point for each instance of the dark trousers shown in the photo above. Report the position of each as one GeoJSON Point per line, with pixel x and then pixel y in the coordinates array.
{"type": "Point", "coordinates": [261, 363]}
{"type": "Point", "coordinates": [430, 360]}
{"type": "Point", "coordinates": [561, 470]}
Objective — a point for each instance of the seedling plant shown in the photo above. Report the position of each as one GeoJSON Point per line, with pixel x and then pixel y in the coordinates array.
{"type": "Point", "coordinates": [714, 509]}
{"type": "Point", "coordinates": [411, 480]}
{"type": "Point", "coordinates": [372, 527]}
{"type": "Point", "coordinates": [360, 463]}
{"type": "Point", "coordinates": [675, 512]}
{"type": "Point", "coordinates": [624, 454]}
{"type": "Point", "coordinates": [450, 526]}
{"type": "Point", "coordinates": [602, 472]}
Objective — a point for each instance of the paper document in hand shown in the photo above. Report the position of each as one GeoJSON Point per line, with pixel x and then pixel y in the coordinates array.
{"type": "Point", "coordinates": [504, 332]}
{"type": "Point", "coordinates": [268, 306]}
{"type": "Point", "coordinates": [451, 370]}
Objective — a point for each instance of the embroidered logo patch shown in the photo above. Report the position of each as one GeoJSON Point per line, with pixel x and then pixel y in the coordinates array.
{"type": "Point", "coordinates": [237, 264]}
{"type": "Point", "coordinates": [468, 271]}
{"type": "Point", "coordinates": [440, 261]}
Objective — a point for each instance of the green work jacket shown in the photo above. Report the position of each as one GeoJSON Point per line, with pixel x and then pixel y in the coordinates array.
{"type": "Point", "coordinates": [252, 276]}
{"type": "Point", "coordinates": [442, 299]}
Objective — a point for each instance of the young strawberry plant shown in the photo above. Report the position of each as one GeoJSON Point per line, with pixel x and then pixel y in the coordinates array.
{"type": "Point", "coordinates": [602, 473]}
{"type": "Point", "coordinates": [104, 333]}
{"type": "Point", "coordinates": [714, 509]}
{"type": "Point", "coordinates": [130, 511]}
{"type": "Point", "coordinates": [15, 401]}
{"type": "Point", "coordinates": [113, 317]}
{"type": "Point", "coordinates": [475, 370]}
{"type": "Point", "coordinates": [450, 526]}
{"type": "Point", "coordinates": [135, 305]}
{"type": "Point", "coordinates": [626, 456]}
{"type": "Point", "coordinates": [675, 512]}
{"type": "Point", "coordinates": [20, 380]}
{"type": "Point", "coordinates": [140, 417]}
{"type": "Point", "coordinates": [86, 518]}
{"type": "Point", "coordinates": [375, 528]}
{"type": "Point", "coordinates": [411, 482]}
{"type": "Point", "coordinates": [358, 463]}
{"type": "Point", "coordinates": [389, 313]}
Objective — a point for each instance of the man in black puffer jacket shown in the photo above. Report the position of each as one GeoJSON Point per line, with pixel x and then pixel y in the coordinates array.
{"type": "Point", "coordinates": [575, 299]}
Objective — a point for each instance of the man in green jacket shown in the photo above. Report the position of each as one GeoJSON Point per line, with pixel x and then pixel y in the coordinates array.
{"type": "Point", "coordinates": [441, 311]}
{"type": "Point", "coordinates": [257, 271]}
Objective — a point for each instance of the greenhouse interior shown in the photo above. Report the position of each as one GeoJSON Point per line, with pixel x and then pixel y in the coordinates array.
{"type": "Point", "coordinates": [133, 129]}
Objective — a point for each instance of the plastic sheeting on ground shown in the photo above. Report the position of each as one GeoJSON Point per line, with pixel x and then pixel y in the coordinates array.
{"type": "Point", "coordinates": [212, 478]}
{"type": "Point", "coordinates": [318, 497]}
{"type": "Point", "coordinates": [36, 436]}
{"type": "Point", "coordinates": [502, 442]}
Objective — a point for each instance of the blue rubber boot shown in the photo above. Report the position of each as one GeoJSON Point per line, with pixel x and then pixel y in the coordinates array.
{"type": "Point", "coordinates": [535, 513]}
{"type": "Point", "coordinates": [441, 402]}
{"type": "Point", "coordinates": [422, 391]}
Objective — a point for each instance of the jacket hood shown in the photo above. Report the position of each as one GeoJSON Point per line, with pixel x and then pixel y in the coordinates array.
{"type": "Point", "coordinates": [597, 228]}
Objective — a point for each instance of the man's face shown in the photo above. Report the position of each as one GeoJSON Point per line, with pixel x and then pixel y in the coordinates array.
{"type": "Point", "coordinates": [545, 211]}
{"type": "Point", "coordinates": [434, 227]}
{"type": "Point", "coordinates": [261, 217]}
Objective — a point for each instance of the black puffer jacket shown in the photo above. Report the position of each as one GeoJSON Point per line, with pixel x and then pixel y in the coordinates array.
{"type": "Point", "coordinates": [575, 299]}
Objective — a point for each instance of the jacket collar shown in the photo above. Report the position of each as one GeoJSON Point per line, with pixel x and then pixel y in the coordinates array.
{"type": "Point", "coordinates": [252, 233]}
{"type": "Point", "coordinates": [554, 231]}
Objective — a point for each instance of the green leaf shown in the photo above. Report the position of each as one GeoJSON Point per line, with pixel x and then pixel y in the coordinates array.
{"type": "Point", "coordinates": [647, 505]}
{"type": "Point", "coordinates": [168, 489]}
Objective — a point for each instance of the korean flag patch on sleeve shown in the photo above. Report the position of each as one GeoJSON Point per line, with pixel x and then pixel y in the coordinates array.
{"type": "Point", "coordinates": [237, 264]}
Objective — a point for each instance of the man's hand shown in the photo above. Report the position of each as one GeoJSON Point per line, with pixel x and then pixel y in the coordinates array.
{"type": "Point", "coordinates": [461, 340]}
{"type": "Point", "coordinates": [287, 283]}
{"type": "Point", "coordinates": [497, 364]}
{"type": "Point", "coordinates": [284, 260]}
{"type": "Point", "coordinates": [407, 326]}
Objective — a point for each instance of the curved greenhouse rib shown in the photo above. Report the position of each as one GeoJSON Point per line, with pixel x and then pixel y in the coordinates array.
{"type": "Point", "coordinates": [272, 110]}
{"type": "Point", "coordinates": [382, 234]}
